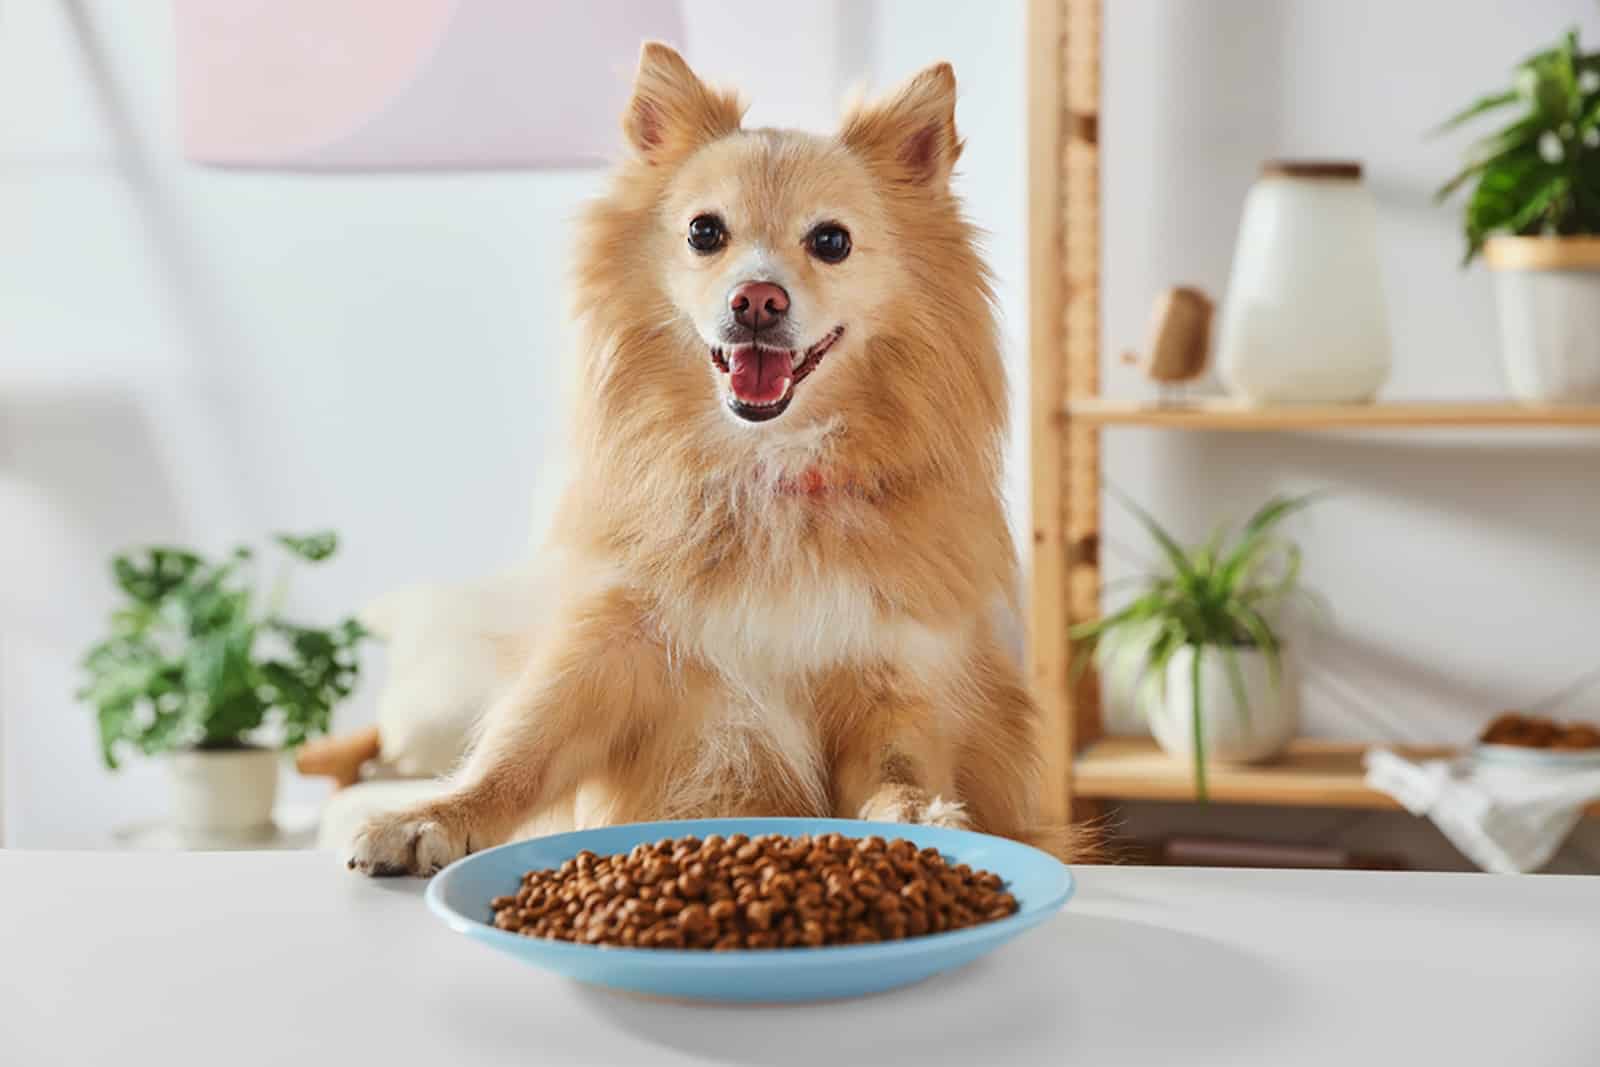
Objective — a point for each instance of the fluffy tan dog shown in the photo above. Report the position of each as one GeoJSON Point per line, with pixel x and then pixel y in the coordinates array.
{"type": "Point", "coordinates": [785, 584]}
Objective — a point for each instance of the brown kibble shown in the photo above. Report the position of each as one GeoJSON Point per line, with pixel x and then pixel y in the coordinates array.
{"type": "Point", "coordinates": [752, 893]}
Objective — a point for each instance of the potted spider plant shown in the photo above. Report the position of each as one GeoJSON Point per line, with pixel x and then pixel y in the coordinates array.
{"type": "Point", "coordinates": [1199, 645]}
{"type": "Point", "coordinates": [1534, 216]}
{"type": "Point", "coordinates": [202, 667]}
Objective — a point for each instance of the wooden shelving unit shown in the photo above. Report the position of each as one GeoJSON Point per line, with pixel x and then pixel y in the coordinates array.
{"type": "Point", "coordinates": [1067, 416]}
{"type": "Point", "coordinates": [1224, 414]}
{"type": "Point", "coordinates": [1312, 774]}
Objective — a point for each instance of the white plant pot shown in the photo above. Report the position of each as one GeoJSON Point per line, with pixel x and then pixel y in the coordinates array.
{"type": "Point", "coordinates": [1305, 320]}
{"type": "Point", "coordinates": [223, 792]}
{"type": "Point", "coordinates": [1548, 294]}
{"type": "Point", "coordinates": [1229, 735]}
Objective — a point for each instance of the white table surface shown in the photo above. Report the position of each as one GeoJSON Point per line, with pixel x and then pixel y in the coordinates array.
{"type": "Point", "coordinates": [286, 958]}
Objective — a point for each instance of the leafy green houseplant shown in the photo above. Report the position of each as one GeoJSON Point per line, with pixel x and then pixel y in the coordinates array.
{"type": "Point", "coordinates": [1534, 215]}
{"type": "Point", "coordinates": [1201, 631]}
{"type": "Point", "coordinates": [201, 662]}
{"type": "Point", "coordinates": [1540, 173]}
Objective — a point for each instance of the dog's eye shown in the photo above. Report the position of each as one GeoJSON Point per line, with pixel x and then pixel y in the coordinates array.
{"type": "Point", "coordinates": [707, 233]}
{"type": "Point", "coordinates": [829, 242]}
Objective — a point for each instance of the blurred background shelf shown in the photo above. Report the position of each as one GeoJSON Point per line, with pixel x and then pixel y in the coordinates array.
{"type": "Point", "coordinates": [1313, 774]}
{"type": "Point", "coordinates": [1220, 413]}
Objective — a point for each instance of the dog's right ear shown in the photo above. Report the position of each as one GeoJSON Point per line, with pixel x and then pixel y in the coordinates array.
{"type": "Point", "coordinates": [673, 112]}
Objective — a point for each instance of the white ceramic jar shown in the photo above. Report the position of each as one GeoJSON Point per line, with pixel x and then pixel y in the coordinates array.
{"type": "Point", "coordinates": [1305, 319]}
{"type": "Point", "coordinates": [1229, 735]}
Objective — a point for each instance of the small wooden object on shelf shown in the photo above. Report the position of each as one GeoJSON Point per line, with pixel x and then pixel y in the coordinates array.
{"type": "Point", "coordinates": [1179, 340]}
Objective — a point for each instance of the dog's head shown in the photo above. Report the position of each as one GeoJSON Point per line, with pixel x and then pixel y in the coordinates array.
{"type": "Point", "coordinates": [779, 281]}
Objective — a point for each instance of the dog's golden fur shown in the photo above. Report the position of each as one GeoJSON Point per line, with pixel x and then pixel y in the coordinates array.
{"type": "Point", "coordinates": [806, 616]}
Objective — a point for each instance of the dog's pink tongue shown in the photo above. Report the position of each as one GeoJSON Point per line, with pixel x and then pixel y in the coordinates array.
{"type": "Point", "coordinates": [759, 375]}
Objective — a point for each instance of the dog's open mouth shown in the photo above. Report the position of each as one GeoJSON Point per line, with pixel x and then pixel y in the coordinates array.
{"type": "Point", "coordinates": [762, 380]}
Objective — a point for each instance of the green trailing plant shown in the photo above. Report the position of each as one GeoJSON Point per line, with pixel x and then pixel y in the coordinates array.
{"type": "Point", "coordinates": [1540, 173]}
{"type": "Point", "coordinates": [200, 657]}
{"type": "Point", "coordinates": [1222, 595]}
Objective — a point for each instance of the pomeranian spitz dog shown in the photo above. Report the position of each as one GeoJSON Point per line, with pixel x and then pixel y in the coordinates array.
{"type": "Point", "coordinates": [784, 582]}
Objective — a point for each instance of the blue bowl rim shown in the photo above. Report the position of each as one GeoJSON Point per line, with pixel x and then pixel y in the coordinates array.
{"type": "Point", "coordinates": [829, 955]}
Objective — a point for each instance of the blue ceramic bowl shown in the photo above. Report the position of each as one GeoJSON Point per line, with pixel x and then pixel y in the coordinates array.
{"type": "Point", "coordinates": [460, 895]}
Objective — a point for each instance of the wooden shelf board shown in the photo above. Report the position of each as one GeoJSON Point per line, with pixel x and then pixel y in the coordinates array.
{"type": "Point", "coordinates": [1315, 774]}
{"type": "Point", "coordinates": [1227, 414]}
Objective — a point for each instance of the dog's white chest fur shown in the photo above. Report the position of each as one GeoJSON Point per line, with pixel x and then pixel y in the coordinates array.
{"type": "Point", "coordinates": [759, 635]}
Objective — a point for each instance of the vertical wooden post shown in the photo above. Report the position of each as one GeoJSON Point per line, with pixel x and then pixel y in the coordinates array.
{"type": "Point", "coordinates": [1064, 360]}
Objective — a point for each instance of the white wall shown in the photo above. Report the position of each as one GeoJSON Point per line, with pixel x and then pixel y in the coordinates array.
{"type": "Point", "coordinates": [984, 42]}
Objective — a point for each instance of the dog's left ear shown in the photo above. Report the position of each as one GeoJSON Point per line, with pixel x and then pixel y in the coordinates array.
{"type": "Point", "coordinates": [912, 131]}
{"type": "Point", "coordinates": [673, 112]}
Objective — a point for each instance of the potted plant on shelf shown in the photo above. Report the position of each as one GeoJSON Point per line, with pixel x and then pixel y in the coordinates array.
{"type": "Point", "coordinates": [201, 666]}
{"type": "Point", "coordinates": [1200, 641]}
{"type": "Point", "coordinates": [1534, 215]}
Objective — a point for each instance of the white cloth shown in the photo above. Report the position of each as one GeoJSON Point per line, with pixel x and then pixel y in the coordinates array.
{"type": "Point", "coordinates": [1506, 819]}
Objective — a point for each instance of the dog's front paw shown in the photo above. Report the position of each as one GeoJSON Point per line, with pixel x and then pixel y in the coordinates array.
{"type": "Point", "coordinates": [903, 804]}
{"type": "Point", "coordinates": [420, 843]}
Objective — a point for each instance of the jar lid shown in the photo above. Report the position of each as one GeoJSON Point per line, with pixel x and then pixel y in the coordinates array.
{"type": "Point", "coordinates": [1342, 170]}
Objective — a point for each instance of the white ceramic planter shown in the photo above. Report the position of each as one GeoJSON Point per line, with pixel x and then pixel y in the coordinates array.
{"type": "Point", "coordinates": [1229, 736]}
{"type": "Point", "coordinates": [1548, 294]}
{"type": "Point", "coordinates": [224, 792]}
{"type": "Point", "coordinates": [1305, 320]}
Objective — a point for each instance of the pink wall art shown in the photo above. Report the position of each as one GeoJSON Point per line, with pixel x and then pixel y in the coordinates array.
{"type": "Point", "coordinates": [364, 85]}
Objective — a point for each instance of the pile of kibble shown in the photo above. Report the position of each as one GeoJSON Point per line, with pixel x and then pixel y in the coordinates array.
{"type": "Point", "coordinates": [764, 892]}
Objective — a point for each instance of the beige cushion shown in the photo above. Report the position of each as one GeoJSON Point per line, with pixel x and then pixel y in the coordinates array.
{"type": "Point", "coordinates": [447, 659]}
{"type": "Point", "coordinates": [451, 648]}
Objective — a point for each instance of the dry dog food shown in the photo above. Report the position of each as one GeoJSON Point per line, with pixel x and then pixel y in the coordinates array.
{"type": "Point", "coordinates": [763, 892]}
{"type": "Point", "coordinates": [1533, 731]}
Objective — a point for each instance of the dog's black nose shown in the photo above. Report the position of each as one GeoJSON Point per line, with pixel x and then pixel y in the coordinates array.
{"type": "Point", "coordinates": [758, 305]}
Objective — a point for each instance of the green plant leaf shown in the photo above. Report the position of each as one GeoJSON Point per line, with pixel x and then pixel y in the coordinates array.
{"type": "Point", "coordinates": [1197, 716]}
{"type": "Point", "coordinates": [1241, 698]}
{"type": "Point", "coordinates": [162, 570]}
{"type": "Point", "coordinates": [1176, 557]}
{"type": "Point", "coordinates": [1256, 535]}
{"type": "Point", "coordinates": [1481, 106]}
{"type": "Point", "coordinates": [1528, 217]}
{"type": "Point", "coordinates": [1503, 193]}
{"type": "Point", "coordinates": [312, 547]}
